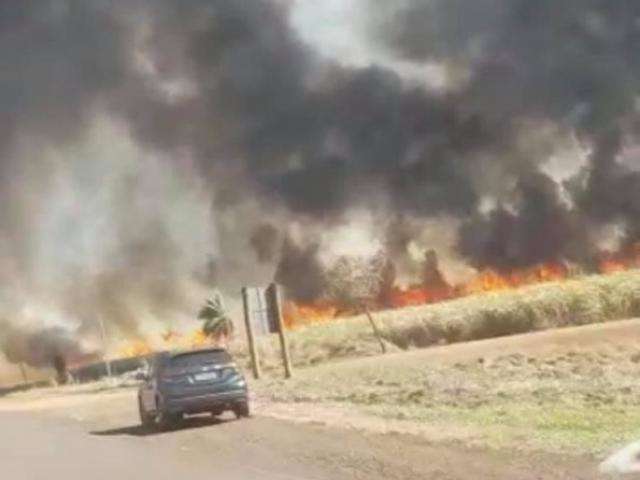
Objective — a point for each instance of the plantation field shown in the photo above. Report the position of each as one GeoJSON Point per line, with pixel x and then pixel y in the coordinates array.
{"type": "Point", "coordinates": [580, 301]}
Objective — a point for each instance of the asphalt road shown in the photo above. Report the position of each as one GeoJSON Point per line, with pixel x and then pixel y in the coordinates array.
{"type": "Point", "coordinates": [38, 446]}
{"type": "Point", "coordinates": [33, 446]}
{"type": "Point", "coordinates": [71, 434]}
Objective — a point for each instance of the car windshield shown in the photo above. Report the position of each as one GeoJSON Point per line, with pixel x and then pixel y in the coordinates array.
{"type": "Point", "coordinates": [186, 361]}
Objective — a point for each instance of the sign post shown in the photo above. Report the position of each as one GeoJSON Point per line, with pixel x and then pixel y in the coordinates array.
{"type": "Point", "coordinates": [263, 316]}
{"type": "Point", "coordinates": [255, 365]}
{"type": "Point", "coordinates": [276, 307]}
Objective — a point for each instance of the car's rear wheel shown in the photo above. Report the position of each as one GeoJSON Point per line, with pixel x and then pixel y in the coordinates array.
{"type": "Point", "coordinates": [241, 410]}
{"type": "Point", "coordinates": [167, 421]}
{"type": "Point", "coordinates": [164, 420]}
{"type": "Point", "coordinates": [146, 420]}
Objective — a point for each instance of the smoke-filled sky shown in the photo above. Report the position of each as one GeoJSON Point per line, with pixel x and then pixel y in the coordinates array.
{"type": "Point", "coordinates": [151, 150]}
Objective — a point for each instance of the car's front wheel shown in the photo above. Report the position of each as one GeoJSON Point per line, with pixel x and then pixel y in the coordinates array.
{"type": "Point", "coordinates": [241, 410]}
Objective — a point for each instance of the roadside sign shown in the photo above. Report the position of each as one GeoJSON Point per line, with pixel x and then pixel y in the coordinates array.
{"type": "Point", "coordinates": [262, 316]}
{"type": "Point", "coordinates": [261, 311]}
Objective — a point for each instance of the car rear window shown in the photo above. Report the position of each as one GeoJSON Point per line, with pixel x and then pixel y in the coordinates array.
{"type": "Point", "coordinates": [187, 360]}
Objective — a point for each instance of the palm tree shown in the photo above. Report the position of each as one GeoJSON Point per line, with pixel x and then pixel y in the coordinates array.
{"type": "Point", "coordinates": [217, 323]}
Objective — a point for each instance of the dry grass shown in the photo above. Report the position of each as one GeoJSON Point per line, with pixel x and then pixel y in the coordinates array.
{"type": "Point", "coordinates": [553, 305]}
{"type": "Point", "coordinates": [580, 402]}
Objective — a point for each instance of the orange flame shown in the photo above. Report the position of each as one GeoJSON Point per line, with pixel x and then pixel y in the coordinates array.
{"type": "Point", "coordinates": [169, 340]}
{"type": "Point", "coordinates": [491, 281]}
{"type": "Point", "coordinates": [484, 282]}
{"type": "Point", "coordinates": [614, 262]}
{"type": "Point", "coordinates": [295, 314]}
{"type": "Point", "coordinates": [136, 348]}
{"type": "Point", "coordinates": [300, 314]}
{"type": "Point", "coordinates": [418, 295]}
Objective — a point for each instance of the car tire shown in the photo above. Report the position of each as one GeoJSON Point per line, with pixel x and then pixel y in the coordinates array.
{"type": "Point", "coordinates": [164, 420]}
{"type": "Point", "coordinates": [242, 410]}
{"type": "Point", "coordinates": [146, 420]}
{"type": "Point", "coordinates": [216, 412]}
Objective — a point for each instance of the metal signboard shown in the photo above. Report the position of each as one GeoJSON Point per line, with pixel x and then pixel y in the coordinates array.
{"type": "Point", "coordinates": [261, 310]}
{"type": "Point", "coordinates": [263, 315]}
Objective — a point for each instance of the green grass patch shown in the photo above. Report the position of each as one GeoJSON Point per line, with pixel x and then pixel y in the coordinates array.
{"type": "Point", "coordinates": [517, 425]}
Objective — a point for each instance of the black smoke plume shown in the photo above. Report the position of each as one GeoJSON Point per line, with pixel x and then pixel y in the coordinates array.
{"type": "Point", "coordinates": [264, 240]}
{"type": "Point", "coordinates": [220, 102]}
{"type": "Point", "coordinates": [569, 63]}
{"type": "Point", "coordinates": [538, 228]}
{"type": "Point", "coordinates": [300, 271]}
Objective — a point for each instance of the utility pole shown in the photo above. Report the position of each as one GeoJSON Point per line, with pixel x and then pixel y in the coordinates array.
{"type": "Point", "coordinates": [103, 334]}
{"type": "Point", "coordinates": [253, 351]}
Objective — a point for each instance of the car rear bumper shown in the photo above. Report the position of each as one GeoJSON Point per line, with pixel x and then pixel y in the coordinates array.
{"type": "Point", "coordinates": [206, 402]}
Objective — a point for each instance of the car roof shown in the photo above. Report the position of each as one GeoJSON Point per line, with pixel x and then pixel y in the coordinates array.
{"type": "Point", "coordinates": [176, 353]}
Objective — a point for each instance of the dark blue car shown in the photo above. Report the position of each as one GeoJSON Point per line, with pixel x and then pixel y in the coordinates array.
{"type": "Point", "coordinates": [191, 382]}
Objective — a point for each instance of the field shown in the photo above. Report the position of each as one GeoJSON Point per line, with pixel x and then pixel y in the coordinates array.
{"type": "Point", "coordinates": [544, 376]}
{"type": "Point", "coordinates": [549, 404]}
{"type": "Point", "coordinates": [546, 385]}
{"type": "Point", "coordinates": [580, 301]}
{"type": "Point", "coordinates": [569, 394]}
{"type": "Point", "coordinates": [564, 391]}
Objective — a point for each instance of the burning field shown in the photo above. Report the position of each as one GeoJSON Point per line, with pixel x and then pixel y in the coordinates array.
{"type": "Point", "coordinates": [416, 155]}
{"type": "Point", "coordinates": [435, 288]}
{"type": "Point", "coordinates": [553, 305]}
{"type": "Point", "coordinates": [497, 298]}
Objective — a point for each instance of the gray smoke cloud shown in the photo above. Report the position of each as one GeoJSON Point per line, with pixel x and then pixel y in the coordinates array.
{"type": "Point", "coordinates": [301, 271]}
{"type": "Point", "coordinates": [91, 225]}
{"type": "Point", "coordinates": [265, 240]}
{"type": "Point", "coordinates": [538, 228]}
{"type": "Point", "coordinates": [571, 64]}
{"type": "Point", "coordinates": [145, 146]}
{"type": "Point", "coordinates": [39, 348]}
{"type": "Point", "coordinates": [611, 191]}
